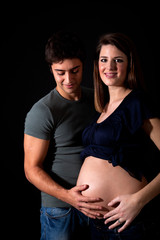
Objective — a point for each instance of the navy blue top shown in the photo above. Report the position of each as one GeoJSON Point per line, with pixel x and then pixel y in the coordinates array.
{"type": "Point", "coordinates": [121, 140]}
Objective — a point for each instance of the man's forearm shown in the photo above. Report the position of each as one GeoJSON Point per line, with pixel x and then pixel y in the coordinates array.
{"type": "Point", "coordinates": [41, 180]}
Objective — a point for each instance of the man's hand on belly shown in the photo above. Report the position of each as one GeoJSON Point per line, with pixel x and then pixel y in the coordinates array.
{"type": "Point", "coordinates": [84, 204]}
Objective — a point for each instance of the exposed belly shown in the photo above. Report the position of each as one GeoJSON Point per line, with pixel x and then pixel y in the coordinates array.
{"type": "Point", "coordinates": [106, 181]}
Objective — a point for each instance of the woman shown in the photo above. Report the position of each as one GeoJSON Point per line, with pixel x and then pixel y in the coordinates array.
{"type": "Point", "coordinates": [125, 133]}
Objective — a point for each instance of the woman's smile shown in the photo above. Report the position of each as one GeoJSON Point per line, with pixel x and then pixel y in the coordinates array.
{"type": "Point", "coordinates": [111, 74]}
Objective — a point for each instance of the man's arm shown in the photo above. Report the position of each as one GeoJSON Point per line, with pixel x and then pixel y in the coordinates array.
{"type": "Point", "coordinates": [35, 152]}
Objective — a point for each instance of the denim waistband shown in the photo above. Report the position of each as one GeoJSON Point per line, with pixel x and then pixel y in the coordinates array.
{"type": "Point", "coordinates": [142, 217]}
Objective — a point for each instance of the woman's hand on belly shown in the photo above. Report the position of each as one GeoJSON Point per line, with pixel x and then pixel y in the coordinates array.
{"type": "Point", "coordinates": [127, 208]}
{"type": "Point", "coordinates": [86, 205]}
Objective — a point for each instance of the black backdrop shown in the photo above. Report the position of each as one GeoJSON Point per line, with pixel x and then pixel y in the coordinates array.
{"type": "Point", "coordinates": [26, 78]}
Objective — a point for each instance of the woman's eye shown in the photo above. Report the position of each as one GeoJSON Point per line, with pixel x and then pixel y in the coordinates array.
{"type": "Point", "coordinates": [103, 60]}
{"type": "Point", "coordinates": [119, 60]}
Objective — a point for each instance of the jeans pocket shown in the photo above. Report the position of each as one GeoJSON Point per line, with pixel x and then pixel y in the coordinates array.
{"type": "Point", "coordinates": [55, 213]}
{"type": "Point", "coordinates": [56, 223]}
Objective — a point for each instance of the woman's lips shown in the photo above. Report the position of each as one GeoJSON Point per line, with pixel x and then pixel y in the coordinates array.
{"type": "Point", "coordinates": [110, 75]}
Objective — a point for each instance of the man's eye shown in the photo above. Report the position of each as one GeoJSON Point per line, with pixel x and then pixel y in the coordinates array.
{"type": "Point", "coordinates": [75, 71]}
{"type": "Point", "coordinates": [60, 73]}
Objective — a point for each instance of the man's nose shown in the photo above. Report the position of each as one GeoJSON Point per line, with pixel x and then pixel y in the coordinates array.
{"type": "Point", "coordinates": [68, 77]}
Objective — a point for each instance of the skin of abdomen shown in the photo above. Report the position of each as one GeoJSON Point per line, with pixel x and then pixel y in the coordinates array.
{"type": "Point", "coordinates": [106, 181]}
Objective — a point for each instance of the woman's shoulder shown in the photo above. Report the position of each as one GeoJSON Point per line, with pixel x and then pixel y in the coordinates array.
{"type": "Point", "coordinates": [136, 95]}
{"type": "Point", "coordinates": [137, 107]}
{"type": "Point", "coordinates": [139, 99]}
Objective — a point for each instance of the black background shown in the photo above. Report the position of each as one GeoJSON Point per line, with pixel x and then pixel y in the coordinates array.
{"type": "Point", "coordinates": [25, 78]}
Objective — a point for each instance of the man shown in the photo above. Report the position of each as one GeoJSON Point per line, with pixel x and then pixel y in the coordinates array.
{"type": "Point", "coordinates": [57, 121]}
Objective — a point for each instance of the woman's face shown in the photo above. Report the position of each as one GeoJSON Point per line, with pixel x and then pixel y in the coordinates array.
{"type": "Point", "coordinates": [113, 65]}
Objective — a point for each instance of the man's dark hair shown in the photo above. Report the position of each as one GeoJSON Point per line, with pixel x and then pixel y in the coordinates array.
{"type": "Point", "coordinates": [64, 45]}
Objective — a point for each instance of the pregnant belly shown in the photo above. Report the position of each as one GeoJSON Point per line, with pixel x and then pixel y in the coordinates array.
{"type": "Point", "coordinates": [106, 181]}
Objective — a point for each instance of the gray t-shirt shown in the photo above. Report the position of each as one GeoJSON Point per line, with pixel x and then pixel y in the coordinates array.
{"type": "Point", "coordinates": [61, 121]}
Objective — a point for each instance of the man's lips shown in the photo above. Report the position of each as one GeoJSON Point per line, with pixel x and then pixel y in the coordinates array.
{"type": "Point", "coordinates": [69, 85]}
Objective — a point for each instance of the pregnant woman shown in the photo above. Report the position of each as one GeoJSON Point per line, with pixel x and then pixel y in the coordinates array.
{"type": "Point", "coordinates": [119, 166]}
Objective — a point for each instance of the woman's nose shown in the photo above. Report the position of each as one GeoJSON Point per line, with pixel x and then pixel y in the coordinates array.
{"type": "Point", "coordinates": [111, 65]}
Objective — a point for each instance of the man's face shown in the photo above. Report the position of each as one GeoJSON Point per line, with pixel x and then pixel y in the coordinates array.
{"type": "Point", "coordinates": [68, 77]}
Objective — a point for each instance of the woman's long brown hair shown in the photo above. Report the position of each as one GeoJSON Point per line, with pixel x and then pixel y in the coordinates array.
{"type": "Point", "coordinates": [134, 77]}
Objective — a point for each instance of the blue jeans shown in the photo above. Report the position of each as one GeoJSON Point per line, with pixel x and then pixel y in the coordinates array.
{"type": "Point", "coordinates": [63, 224]}
{"type": "Point", "coordinates": [136, 231]}
{"type": "Point", "coordinates": [142, 228]}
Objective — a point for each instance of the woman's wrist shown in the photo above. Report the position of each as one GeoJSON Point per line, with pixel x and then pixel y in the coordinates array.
{"type": "Point", "coordinates": [140, 199]}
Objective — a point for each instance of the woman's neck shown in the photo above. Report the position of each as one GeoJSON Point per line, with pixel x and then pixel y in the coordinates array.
{"type": "Point", "coordinates": [117, 93]}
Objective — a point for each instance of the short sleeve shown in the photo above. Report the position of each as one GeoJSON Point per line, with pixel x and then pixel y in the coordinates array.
{"type": "Point", "coordinates": [138, 109]}
{"type": "Point", "coordinates": [39, 122]}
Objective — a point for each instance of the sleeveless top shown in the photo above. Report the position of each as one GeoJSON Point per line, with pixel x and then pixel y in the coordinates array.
{"type": "Point", "coordinates": [121, 140]}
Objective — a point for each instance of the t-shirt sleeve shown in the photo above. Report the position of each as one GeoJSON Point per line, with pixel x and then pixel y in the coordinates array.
{"type": "Point", "coordinates": [137, 111]}
{"type": "Point", "coordinates": [39, 122]}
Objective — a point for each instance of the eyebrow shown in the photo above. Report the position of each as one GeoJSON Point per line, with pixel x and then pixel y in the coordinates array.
{"type": "Point", "coordinates": [114, 57]}
{"type": "Point", "coordinates": [61, 70]}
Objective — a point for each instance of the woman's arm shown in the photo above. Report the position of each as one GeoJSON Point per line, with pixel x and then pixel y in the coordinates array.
{"type": "Point", "coordinates": [130, 205]}
{"type": "Point", "coordinates": [152, 128]}
{"type": "Point", "coordinates": [151, 190]}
